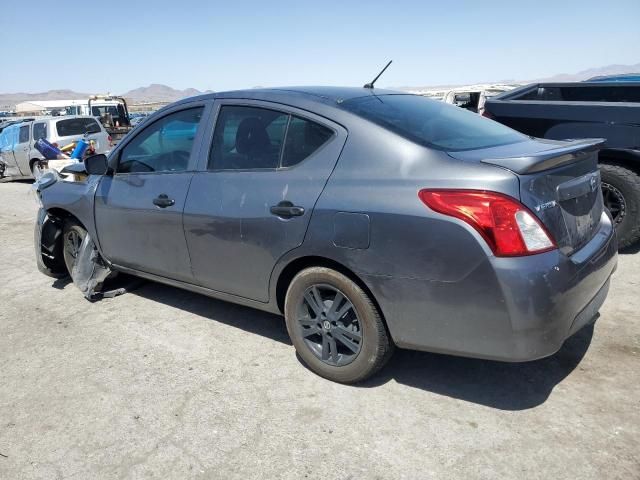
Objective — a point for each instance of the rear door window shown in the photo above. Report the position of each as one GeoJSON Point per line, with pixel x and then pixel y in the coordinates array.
{"type": "Point", "coordinates": [23, 136]}
{"type": "Point", "coordinates": [39, 131]}
{"type": "Point", "coordinates": [432, 124]}
{"type": "Point", "coordinates": [77, 126]}
{"type": "Point", "coordinates": [250, 138]}
{"type": "Point", "coordinates": [247, 138]}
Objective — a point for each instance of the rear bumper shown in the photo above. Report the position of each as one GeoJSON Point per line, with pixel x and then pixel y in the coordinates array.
{"type": "Point", "coordinates": [509, 309]}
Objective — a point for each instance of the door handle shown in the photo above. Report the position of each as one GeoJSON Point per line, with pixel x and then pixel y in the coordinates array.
{"type": "Point", "coordinates": [286, 209]}
{"type": "Point", "coordinates": [163, 201]}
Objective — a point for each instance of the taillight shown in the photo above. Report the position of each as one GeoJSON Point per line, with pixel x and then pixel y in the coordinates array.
{"type": "Point", "coordinates": [109, 139]}
{"type": "Point", "coordinates": [508, 227]}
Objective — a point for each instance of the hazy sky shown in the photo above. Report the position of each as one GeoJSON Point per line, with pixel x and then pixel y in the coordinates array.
{"type": "Point", "coordinates": [113, 45]}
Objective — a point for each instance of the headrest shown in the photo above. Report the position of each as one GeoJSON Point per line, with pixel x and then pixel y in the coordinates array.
{"type": "Point", "coordinates": [251, 137]}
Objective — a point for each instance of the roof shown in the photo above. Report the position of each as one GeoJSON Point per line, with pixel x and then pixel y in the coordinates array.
{"type": "Point", "coordinates": [327, 95]}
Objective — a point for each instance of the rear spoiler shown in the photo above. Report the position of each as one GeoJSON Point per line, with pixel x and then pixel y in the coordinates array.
{"type": "Point", "coordinates": [570, 152]}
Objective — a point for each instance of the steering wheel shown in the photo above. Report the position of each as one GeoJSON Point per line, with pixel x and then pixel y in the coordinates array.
{"type": "Point", "coordinates": [180, 160]}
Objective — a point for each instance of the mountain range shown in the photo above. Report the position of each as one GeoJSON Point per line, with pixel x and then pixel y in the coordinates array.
{"type": "Point", "coordinates": [151, 94]}
{"type": "Point", "coordinates": [165, 94]}
{"type": "Point", "coordinates": [560, 77]}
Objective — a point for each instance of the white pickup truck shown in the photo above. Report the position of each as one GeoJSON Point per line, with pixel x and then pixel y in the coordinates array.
{"type": "Point", "coordinates": [473, 97]}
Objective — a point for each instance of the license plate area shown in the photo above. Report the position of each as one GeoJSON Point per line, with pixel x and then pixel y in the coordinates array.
{"type": "Point", "coordinates": [581, 203]}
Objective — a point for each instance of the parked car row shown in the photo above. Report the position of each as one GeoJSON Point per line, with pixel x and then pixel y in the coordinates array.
{"type": "Point", "coordinates": [369, 218]}
{"type": "Point", "coordinates": [20, 159]}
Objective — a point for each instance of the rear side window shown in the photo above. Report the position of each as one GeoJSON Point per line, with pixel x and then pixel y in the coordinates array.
{"type": "Point", "coordinates": [39, 131]}
{"type": "Point", "coordinates": [77, 126]}
{"type": "Point", "coordinates": [250, 138]}
{"type": "Point", "coordinates": [304, 137]}
{"type": "Point", "coordinates": [432, 124]}
{"type": "Point", "coordinates": [23, 136]}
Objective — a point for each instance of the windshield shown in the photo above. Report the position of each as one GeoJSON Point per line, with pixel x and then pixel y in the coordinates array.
{"type": "Point", "coordinates": [77, 126]}
{"type": "Point", "coordinates": [104, 109]}
{"type": "Point", "coordinates": [431, 123]}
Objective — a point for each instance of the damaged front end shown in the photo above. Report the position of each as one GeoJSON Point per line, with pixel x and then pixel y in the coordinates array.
{"type": "Point", "coordinates": [88, 270]}
{"type": "Point", "coordinates": [47, 240]}
{"type": "Point", "coordinates": [47, 235]}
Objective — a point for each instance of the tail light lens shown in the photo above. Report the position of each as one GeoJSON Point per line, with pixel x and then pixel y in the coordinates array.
{"type": "Point", "coordinates": [110, 141]}
{"type": "Point", "coordinates": [508, 227]}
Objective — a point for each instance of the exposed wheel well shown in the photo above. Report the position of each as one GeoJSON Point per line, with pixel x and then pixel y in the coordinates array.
{"type": "Point", "coordinates": [62, 214]}
{"type": "Point", "coordinates": [32, 161]}
{"type": "Point", "coordinates": [58, 215]}
{"type": "Point", "coordinates": [299, 264]}
{"type": "Point", "coordinates": [622, 158]}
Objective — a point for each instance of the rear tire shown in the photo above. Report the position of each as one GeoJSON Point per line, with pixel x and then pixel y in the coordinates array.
{"type": "Point", "coordinates": [37, 168]}
{"type": "Point", "coordinates": [335, 327]}
{"type": "Point", "coordinates": [621, 191]}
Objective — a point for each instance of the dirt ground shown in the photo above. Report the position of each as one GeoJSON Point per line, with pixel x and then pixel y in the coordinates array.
{"type": "Point", "coordinates": [163, 383]}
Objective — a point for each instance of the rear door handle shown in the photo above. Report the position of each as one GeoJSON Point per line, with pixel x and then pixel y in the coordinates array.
{"type": "Point", "coordinates": [286, 209]}
{"type": "Point", "coordinates": [163, 201]}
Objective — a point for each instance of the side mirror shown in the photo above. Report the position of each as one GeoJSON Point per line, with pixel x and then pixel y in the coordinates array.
{"type": "Point", "coordinates": [75, 169]}
{"type": "Point", "coordinates": [96, 164]}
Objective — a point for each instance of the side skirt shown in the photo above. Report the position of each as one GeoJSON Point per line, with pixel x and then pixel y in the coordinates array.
{"type": "Point", "coordinates": [227, 297]}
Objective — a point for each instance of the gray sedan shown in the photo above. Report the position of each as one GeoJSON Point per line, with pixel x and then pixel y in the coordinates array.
{"type": "Point", "coordinates": [369, 218]}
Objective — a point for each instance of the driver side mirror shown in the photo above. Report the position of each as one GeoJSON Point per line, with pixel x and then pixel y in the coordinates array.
{"type": "Point", "coordinates": [96, 164]}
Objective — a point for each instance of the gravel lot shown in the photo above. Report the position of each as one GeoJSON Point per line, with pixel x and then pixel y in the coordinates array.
{"type": "Point", "coordinates": [162, 383]}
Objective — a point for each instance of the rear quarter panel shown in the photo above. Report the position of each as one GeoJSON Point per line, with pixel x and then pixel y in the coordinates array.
{"type": "Point", "coordinates": [379, 176]}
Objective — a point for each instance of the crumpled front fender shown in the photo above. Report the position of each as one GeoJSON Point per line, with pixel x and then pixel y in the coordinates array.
{"type": "Point", "coordinates": [47, 242]}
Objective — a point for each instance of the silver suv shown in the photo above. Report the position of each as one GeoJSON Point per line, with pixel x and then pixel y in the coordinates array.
{"type": "Point", "coordinates": [18, 155]}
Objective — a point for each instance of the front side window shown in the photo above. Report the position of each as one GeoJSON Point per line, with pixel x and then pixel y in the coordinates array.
{"type": "Point", "coordinates": [248, 138]}
{"type": "Point", "coordinates": [77, 126]}
{"type": "Point", "coordinates": [163, 146]}
{"type": "Point", "coordinates": [24, 134]}
{"type": "Point", "coordinates": [432, 124]}
{"type": "Point", "coordinates": [39, 131]}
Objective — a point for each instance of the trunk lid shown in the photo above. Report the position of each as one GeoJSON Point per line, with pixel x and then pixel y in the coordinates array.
{"type": "Point", "coordinates": [559, 182]}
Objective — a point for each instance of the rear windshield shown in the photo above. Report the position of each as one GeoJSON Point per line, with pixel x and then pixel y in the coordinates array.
{"type": "Point", "coordinates": [77, 126]}
{"type": "Point", "coordinates": [431, 123]}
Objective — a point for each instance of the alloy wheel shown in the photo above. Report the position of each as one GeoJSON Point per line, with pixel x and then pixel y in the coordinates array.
{"type": "Point", "coordinates": [614, 202]}
{"type": "Point", "coordinates": [330, 325]}
{"type": "Point", "coordinates": [72, 243]}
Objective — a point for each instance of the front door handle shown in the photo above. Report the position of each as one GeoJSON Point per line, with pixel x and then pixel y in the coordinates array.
{"type": "Point", "coordinates": [163, 201]}
{"type": "Point", "coordinates": [286, 209]}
